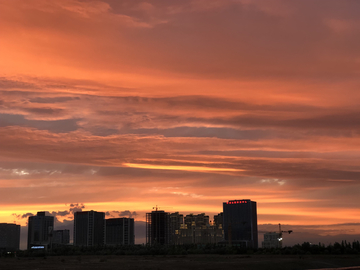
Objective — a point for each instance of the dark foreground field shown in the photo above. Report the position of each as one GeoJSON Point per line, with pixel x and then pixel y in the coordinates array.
{"type": "Point", "coordinates": [207, 262]}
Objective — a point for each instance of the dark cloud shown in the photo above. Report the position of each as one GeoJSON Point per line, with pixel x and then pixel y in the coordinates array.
{"type": "Point", "coordinates": [350, 121]}
{"type": "Point", "coordinates": [60, 213]}
{"type": "Point", "coordinates": [8, 84]}
{"type": "Point", "coordinates": [76, 207]}
{"type": "Point", "coordinates": [212, 103]}
{"type": "Point", "coordinates": [52, 99]}
{"type": "Point", "coordinates": [128, 214]}
{"type": "Point", "coordinates": [45, 111]}
{"type": "Point", "coordinates": [274, 32]}
{"type": "Point", "coordinates": [58, 126]}
{"type": "Point", "coordinates": [101, 131]}
{"type": "Point", "coordinates": [73, 207]}
{"type": "Point", "coordinates": [27, 215]}
{"type": "Point", "coordinates": [23, 215]}
{"type": "Point", "coordinates": [125, 213]}
{"type": "Point", "coordinates": [203, 132]}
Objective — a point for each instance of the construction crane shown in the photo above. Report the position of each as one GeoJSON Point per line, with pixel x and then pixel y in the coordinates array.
{"type": "Point", "coordinates": [274, 239]}
{"type": "Point", "coordinates": [281, 232]}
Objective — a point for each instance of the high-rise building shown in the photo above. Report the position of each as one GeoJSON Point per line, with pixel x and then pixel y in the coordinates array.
{"type": "Point", "coordinates": [120, 231]}
{"type": "Point", "coordinates": [40, 231]}
{"type": "Point", "coordinates": [218, 220]}
{"type": "Point", "coordinates": [196, 220]}
{"type": "Point", "coordinates": [198, 230]}
{"type": "Point", "coordinates": [157, 228]}
{"type": "Point", "coordinates": [240, 223]}
{"type": "Point", "coordinates": [89, 228]}
{"type": "Point", "coordinates": [9, 237]}
{"type": "Point", "coordinates": [61, 237]}
{"type": "Point", "coordinates": [176, 222]}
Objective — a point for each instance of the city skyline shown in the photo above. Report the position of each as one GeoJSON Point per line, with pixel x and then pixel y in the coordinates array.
{"type": "Point", "coordinates": [315, 233]}
{"type": "Point", "coordinates": [121, 105]}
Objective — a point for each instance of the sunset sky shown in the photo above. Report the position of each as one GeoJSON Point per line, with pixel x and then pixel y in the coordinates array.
{"type": "Point", "coordinates": [122, 105]}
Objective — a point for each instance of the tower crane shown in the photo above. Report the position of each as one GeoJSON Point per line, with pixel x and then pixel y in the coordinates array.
{"type": "Point", "coordinates": [281, 232]}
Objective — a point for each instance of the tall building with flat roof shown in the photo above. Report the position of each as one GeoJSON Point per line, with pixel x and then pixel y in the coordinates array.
{"type": "Point", "coordinates": [158, 228]}
{"type": "Point", "coordinates": [240, 223]}
{"type": "Point", "coordinates": [176, 222]}
{"type": "Point", "coordinates": [40, 231]}
{"type": "Point", "coordinates": [9, 237]}
{"type": "Point", "coordinates": [120, 231]}
{"type": "Point", "coordinates": [218, 220]}
{"type": "Point", "coordinates": [89, 228]}
{"type": "Point", "coordinates": [198, 230]}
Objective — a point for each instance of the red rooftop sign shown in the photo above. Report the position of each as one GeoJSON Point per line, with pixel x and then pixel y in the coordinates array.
{"type": "Point", "coordinates": [236, 202]}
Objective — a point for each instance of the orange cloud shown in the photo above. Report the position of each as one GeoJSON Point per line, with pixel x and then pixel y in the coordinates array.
{"type": "Point", "coordinates": [124, 105]}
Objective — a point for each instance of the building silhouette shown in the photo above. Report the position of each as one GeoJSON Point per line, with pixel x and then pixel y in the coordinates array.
{"type": "Point", "coordinates": [40, 231]}
{"type": "Point", "coordinates": [119, 231]}
{"type": "Point", "coordinates": [61, 237]}
{"type": "Point", "coordinates": [196, 220]}
{"type": "Point", "coordinates": [158, 228]}
{"type": "Point", "coordinates": [89, 228]}
{"type": "Point", "coordinates": [176, 223]}
{"type": "Point", "coordinates": [272, 240]}
{"type": "Point", "coordinates": [219, 220]}
{"type": "Point", "coordinates": [9, 237]}
{"type": "Point", "coordinates": [198, 230]}
{"type": "Point", "coordinates": [240, 223]}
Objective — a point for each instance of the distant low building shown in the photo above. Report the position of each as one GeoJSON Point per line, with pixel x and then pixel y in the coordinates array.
{"type": "Point", "coordinates": [119, 231]}
{"type": "Point", "coordinates": [272, 240]}
{"type": "Point", "coordinates": [9, 237]}
{"type": "Point", "coordinates": [199, 235]}
{"type": "Point", "coordinates": [61, 237]}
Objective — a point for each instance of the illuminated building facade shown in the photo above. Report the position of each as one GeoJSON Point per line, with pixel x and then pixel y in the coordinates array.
{"type": "Point", "coordinates": [40, 231]}
{"type": "Point", "coordinates": [198, 230]}
{"type": "Point", "coordinates": [240, 223]}
{"type": "Point", "coordinates": [196, 220]}
{"type": "Point", "coordinates": [176, 223]}
{"type": "Point", "coordinates": [89, 228]}
{"type": "Point", "coordinates": [199, 235]}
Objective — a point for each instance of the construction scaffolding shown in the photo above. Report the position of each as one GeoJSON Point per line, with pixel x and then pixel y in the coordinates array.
{"type": "Point", "coordinates": [157, 228]}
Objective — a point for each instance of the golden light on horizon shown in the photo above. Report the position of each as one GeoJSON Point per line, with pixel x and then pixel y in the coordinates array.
{"type": "Point", "coordinates": [180, 168]}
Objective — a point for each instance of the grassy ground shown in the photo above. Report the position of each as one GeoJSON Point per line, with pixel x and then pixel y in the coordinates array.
{"type": "Point", "coordinates": [187, 262]}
